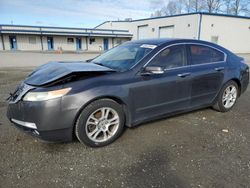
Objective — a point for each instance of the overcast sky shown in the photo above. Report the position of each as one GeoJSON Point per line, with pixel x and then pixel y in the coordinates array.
{"type": "Point", "coordinates": [75, 13]}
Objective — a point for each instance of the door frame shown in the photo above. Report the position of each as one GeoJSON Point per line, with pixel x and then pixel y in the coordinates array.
{"type": "Point", "coordinates": [11, 37]}
{"type": "Point", "coordinates": [51, 46]}
{"type": "Point", "coordinates": [105, 44]}
{"type": "Point", "coordinates": [78, 43]}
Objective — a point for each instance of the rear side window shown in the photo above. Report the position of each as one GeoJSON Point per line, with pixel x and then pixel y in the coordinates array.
{"type": "Point", "coordinates": [202, 54]}
{"type": "Point", "coordinates": [171, 57]}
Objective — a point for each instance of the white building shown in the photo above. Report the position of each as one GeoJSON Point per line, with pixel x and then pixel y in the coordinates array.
{"type": "Point", "coordinates": [32, 38]}
{"type": "Point", "coordinates": [232, 32]}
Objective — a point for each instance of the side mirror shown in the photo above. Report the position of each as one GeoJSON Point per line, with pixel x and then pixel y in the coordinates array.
{"type": "Point", "coordinates": [152, 70]}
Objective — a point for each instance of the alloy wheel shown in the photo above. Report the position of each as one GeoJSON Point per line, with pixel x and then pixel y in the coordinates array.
{"type": "Point", "coordinates": [102, 124]}
{"type": "Point", "coordinates": [229, 96]}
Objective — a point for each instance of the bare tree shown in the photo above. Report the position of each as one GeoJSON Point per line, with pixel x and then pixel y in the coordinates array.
{"type": "Point", "coordinates": [194, 5]}
{"type": "Point", "coordinates": [157, 13]}
{"type": "Point", "coordinates": [170, 9]}
{"type": "Point", "coordinates": [236, 7]}
{"type": "Point", "coordinates": [227, 5]}
{"type": "Point", "coordinates": [187, 5]}
{"type": "Point", "coordinates": [213, 5]}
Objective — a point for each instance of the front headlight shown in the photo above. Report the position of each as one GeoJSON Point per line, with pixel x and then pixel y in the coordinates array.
{"type": "Point", "coordinates": [43, 96]}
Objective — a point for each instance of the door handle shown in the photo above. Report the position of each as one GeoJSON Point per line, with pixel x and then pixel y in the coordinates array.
{"type": "Point", "coordinates": [219, 68]}
{"type": "Point", "coordinates": [183, 75]}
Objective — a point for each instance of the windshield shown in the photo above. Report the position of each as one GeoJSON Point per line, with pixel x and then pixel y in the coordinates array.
{"type": "Point", "coordinates": [122, 58]}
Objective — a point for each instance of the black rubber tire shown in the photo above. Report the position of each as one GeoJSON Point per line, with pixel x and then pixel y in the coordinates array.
{"type": "Point", "coordinates": [218, 106]}
{"type": "Point", "coordinates": [87, 111]}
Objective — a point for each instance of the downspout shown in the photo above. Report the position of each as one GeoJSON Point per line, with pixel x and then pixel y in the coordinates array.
{"type": "Point", "coordinates": [87, 45]}
{"type": "Point", "coordinates": [200, 22]}
{"type": "Point", "coordinates": [2, 39]}
{"type": "Point", "coordinates": [41, 38]}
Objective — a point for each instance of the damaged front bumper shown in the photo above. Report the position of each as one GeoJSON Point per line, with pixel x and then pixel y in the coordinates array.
{"type": "Point", "coordinates": [47, 120]}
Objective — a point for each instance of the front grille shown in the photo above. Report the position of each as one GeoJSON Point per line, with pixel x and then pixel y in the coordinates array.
{"type": "Point", "coordinates": [20, 91]}
{"type": "Point", "coordinates": [17, 92]}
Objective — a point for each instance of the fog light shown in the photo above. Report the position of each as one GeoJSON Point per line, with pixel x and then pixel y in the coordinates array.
{"type": "Point", "coordinates": [25, 124]}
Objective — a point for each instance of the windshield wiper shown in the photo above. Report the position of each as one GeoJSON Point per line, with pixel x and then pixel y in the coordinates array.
{"type": "Point", "coordinates": [99, 64]}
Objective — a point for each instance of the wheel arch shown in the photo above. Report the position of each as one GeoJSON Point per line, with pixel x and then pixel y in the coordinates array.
{"type": "Point", "coordinates": [237, 81]}
{"type": "Point", "coordinates": [114, 98]}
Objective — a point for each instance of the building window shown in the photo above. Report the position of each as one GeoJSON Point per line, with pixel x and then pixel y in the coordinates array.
{"type": "Point", "coordinates": [32, 40]}
{"type": "Point", "coordinates": [70, 40]}
{"type": "Point", "coordinates": [91, 40]}
{"type": "Point", "coordinates": [215, 39]}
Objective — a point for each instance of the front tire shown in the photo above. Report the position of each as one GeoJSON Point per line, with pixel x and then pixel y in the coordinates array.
{"type": "Point", "coordinates": [100, 123]}
{"type": "Point", "coordinates": [227, 97]}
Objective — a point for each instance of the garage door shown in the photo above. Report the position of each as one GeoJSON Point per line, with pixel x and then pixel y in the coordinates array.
{"type": "Point", "coordinates": [142, 32]}
{"type": "Point", "coordinates": [166, 32]}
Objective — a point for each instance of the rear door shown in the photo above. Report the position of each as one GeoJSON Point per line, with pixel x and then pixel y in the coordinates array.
{"type": "Point", "coordinates": [207, 66]}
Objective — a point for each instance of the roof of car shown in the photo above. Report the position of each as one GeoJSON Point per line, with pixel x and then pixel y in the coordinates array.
{"type": "Point", "coordinates": [161, 41]}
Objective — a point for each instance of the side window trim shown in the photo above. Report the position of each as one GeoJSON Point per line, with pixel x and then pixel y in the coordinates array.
{"type": "Point", "coordinates": [208, 46]}
{"type": "Point", "coordinates": [188, 54]}
{"type": "Point", "coordinates": [166, 47]}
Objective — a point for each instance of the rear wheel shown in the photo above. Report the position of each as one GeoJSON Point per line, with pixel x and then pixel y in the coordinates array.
{"type": "Point", "coordinates": [227, 97]}
{"type": "Point", "coordinates": [100, 123]}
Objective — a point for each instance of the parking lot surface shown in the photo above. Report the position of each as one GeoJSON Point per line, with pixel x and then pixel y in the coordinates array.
{"type": "Point", "coordinates": [34, 59]}
{"type": "Point", "coordinates": [204, 148]}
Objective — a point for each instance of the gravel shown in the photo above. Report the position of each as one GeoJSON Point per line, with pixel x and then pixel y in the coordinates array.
{"type": "Point", "coordinates": [189, 150]}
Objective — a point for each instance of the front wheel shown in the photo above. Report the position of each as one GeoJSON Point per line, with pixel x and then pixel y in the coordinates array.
{"type": "Point", "coordinates": [227, 97]}
{"type": "Point", "coordinates": [100, 123]}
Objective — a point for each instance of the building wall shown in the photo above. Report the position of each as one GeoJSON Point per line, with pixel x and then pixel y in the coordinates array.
{"type": "Point", "coordinates": [118, 41]}
{"type": "Point", "coordinates": [232, 33]}
{"type": "Point", "coordinates": [115, 25]}
{"type": "Point", "coordinates": [184, 26]}
{"type": "Point", "coordinates": [60, 42]}
{"type": "Point", "coordinates": [28, 43]}
{"type": "Point", "coordinates": [24, 42]}
{"type": "Point", "coordinates": [1, 43]}
{"type": "Point", "coordinates": [6, 42]}
{"type": "Point", "coordinates": [98, 45]}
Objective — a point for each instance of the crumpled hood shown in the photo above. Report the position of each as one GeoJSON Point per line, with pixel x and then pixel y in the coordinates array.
{"type": "Point", "coordinates": [54, 71]}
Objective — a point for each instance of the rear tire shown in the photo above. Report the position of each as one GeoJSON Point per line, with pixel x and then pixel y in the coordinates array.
{"type": "Point", "coordinates": [227, 97]}
{"type": "Point", "coordinates": [100, 123]}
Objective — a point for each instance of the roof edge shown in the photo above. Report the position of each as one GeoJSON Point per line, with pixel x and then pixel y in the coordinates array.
{"type": "Point", "coordinates": [53, 27]}
{"type": "Point", "coordinates": [177, 15]}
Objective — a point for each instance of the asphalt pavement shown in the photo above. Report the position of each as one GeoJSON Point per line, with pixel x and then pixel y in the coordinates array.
{"type": "Point", "coordinates": [204, 148]}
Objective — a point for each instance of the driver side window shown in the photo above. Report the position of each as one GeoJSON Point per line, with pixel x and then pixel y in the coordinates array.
{"type": "Point", "coordinates": [172, 57]}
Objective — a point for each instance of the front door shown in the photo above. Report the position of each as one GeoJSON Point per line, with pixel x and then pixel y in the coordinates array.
{"type": "Point", "coordinates": [13, 43]}
{"type": "Point", "coordinates": [50, 43]}
{"type": "Point", "coordinates": [78, 44]}
{"type": "Point", "coordinates": [105, 44]}
{"type": "Point", "coordinates": [158, 94]}
{"type": "Point", "coordinates": [207, 67]}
